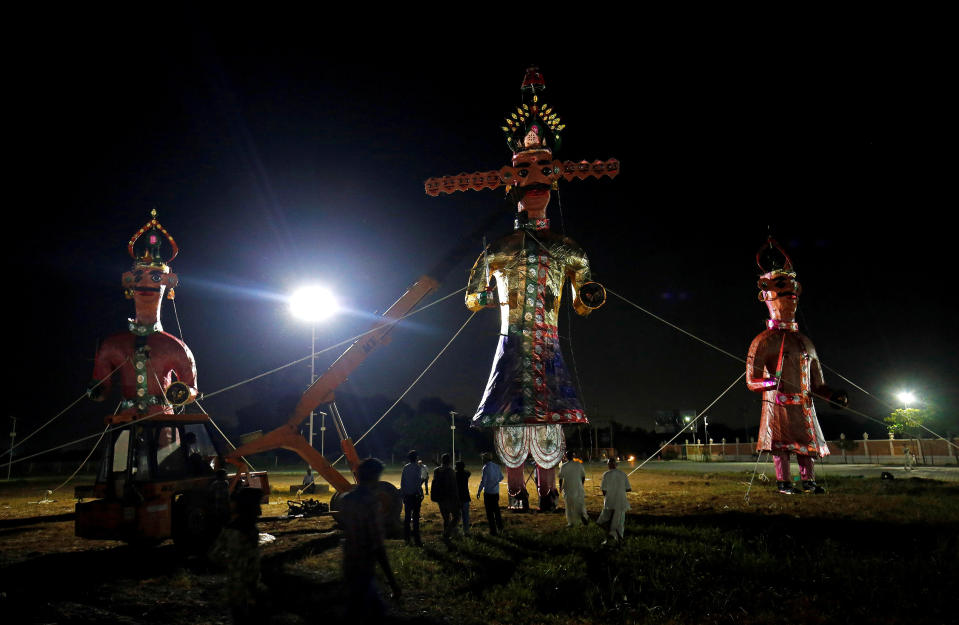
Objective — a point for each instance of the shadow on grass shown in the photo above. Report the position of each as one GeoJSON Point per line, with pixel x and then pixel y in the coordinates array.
{"type": "Point", "coordinates": [716, 567]}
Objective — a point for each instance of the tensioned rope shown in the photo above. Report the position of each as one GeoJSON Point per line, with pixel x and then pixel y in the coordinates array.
{"type": "Point", "coordinates": [228, 441]}
{"type": "Point", "coordinates": [749, 488]}
{"type": "Point", "coordinates": [410, 387]}
{"type": "Point", "coordinates": [737, 358]}
{"type": "Point", "coordinates": [86, 438]}
{"type": "Point", "coordinates": [886, 404]}
{"type": "Point", "coordinates": [176, 315]}
{"type": "Point", "coordinates": [59, 414]}
{"type": "Point", "coordinates": [676, 327]}
{"type": "Point", "coordinates": [212, 422]}
{"type": "Point", "coordinates": [334, 346]}
{"type": "Point", "coordinates": [691, 423]}
{"type": "Point", "coordinates": [97, 444]}
{"type": "Point", "coordinates": [83, 462]}
{"type": "Point", "coordinates": [878, 399]}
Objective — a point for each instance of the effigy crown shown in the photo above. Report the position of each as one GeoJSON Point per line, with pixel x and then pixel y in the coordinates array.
{"type": "Point", "coordinates": [534, 125]}
{"type": "Point", "coordinates": [148, 253]}
{"type": "Point", "coordinates": [773, 260]}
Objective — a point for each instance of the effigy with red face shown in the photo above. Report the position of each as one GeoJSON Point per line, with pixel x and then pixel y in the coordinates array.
{"type": "Point", "coordinates": [530, 395]}
{"type": "Point", "coordinates": [155, 370]}
{"type": "Point", "coordinates": [783, 365]}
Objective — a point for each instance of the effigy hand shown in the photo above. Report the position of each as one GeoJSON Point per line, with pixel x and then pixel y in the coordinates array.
{"type": "Point", "coordinates": [593, 294]}
{"type": "Point", "coordinates": [178, 393]}
{"type": "Point", "coordinates": [839, 399]}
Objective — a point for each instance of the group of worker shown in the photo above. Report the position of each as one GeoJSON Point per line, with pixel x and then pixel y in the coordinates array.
{"type": "Point", "coordinates": [364, 545]}
{"type": "Point", "coordinates": [452, 494]}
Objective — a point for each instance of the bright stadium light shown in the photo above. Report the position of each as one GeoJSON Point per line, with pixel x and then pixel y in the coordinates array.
{"type": "Point", "coordinates": [312, 303]}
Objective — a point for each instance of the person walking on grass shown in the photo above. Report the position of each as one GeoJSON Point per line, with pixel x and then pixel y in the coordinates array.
{"type": "Point", "coordinates": [446, 496]}
{"type": "Point", "coordinates": [463, 491]}
{"type": "Point", "coordinates": [572, 478]}
{"type": "Point", "coordinates": [907, 458]}
{"type": "Point", "coordinates": [361, 518]}
{"type": "Point", "coordinates": [237, 549]}
{"type": "Point", "coordinates": [412, 494]}
{"type": "Point", "coordinates": [489, 488]}
{"type": "Point", "coordinates": [615, 485]}
{"type": "Point", "coordinates": [425, 477]}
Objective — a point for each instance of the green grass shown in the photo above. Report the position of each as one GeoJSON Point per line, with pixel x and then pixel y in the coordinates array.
{"type": "Point", "coordinates": [869, 551]}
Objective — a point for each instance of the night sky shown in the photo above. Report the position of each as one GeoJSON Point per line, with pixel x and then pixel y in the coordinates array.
{"type": "Point", "coordinates": [276, 161]}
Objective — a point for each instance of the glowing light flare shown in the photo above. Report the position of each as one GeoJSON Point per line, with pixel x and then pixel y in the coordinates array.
{"type": "Point", "coordinates": [312, 303]}
{"type": "Point", "coordinates": [906, 397]}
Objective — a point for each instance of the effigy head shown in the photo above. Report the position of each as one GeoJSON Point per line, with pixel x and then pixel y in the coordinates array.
{"type": "Point", "coordinates": [533, 135]}
{"type": "Point", "coordinates": [778, 286]}
{"type": "Point", "coordinates": [534, 181]}
{"type": "Point", "coordinates": [150, 276]}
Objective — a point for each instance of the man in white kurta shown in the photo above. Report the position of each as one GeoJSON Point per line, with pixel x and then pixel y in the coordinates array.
{"type": "Point", "coordinates": [615, 486]}
{"type": "Point", "coordinates": [572, 476]}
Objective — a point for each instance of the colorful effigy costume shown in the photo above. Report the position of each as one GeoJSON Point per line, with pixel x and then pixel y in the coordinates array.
{"type": "Point", "coordinates": [782, 364]}
{"type": "Point", "coordinates": [529, 383]}
{"type": "Point", "coordinates": [146, 358]}
{"type": "Point", "coordinates": [530, 393]}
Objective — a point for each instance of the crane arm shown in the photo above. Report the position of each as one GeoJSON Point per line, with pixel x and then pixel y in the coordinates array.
{"type": "Point", "coordinates": [322, 391]}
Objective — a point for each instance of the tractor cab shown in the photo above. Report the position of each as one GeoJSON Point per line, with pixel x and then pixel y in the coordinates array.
{"type": "Point", "coordinates": [159, 479]}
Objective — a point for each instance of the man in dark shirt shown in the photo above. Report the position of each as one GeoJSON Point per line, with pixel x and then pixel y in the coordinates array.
{"type": "Point", "coordinates": [463, 490]}
{"type": "Point", "coordinates": [361, 519]}
{"type": "Point", "coordinates": [446, 495]}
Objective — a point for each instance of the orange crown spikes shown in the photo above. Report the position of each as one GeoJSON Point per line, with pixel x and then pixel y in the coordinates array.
{"type": "Point", "coordinates": [151, 254]}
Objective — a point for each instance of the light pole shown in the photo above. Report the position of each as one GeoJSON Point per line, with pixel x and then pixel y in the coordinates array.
{"type": "Point", "coordinates": [453, 432]}
{"type": "Point", "coordinates": [706, 440]}
{"type": "Point", "coordinates": [322, 434]}
{"type": "Point", "coordinates": [13, 437]}
{"type": "Point", "coordinates": [313, 304]}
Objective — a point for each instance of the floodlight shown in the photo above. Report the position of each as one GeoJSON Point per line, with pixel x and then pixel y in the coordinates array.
{"type": "Point", "coordinates": [312, 303]}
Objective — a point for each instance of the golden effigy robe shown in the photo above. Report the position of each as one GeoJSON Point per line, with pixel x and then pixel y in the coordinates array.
{"type": "Point", "coordinates": [529, 383]}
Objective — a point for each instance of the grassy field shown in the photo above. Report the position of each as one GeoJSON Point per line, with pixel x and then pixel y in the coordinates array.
{"type": "Point", "coordinates": [869, 551]}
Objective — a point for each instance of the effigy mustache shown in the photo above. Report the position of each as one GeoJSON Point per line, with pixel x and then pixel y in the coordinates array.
{"type": "Point", "coordinates": [523, 190]}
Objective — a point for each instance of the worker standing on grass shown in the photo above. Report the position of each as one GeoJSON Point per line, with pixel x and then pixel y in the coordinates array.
{"type": "Point", "coordinates": [237, 549]}
{"type": "Point", "coordinates": [572, 477]}
{"type": "Point", "coordinates": [412, 493]}
{"type": "Point", "coordinates": [446, 495]}
{"type": "Point", "coordinates": [463, 492]}
{"type": "Point", "coordinates": [361, 519]}
{"type": "Point", "coordinates": [489, 487]}
{"type": "Point", "coordinates": [615, 485]}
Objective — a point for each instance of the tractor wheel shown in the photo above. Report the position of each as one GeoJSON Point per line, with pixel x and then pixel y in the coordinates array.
{"type": "Point", "coordinates": [195, 524]}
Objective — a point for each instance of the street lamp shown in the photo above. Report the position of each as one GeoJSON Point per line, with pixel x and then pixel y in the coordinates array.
{"type": "Point", "coordinates": [906, 397]}
{"type": "Point", "coordinates": [313, 304]}
{"type": "Point", "coordinates": [453, 432]}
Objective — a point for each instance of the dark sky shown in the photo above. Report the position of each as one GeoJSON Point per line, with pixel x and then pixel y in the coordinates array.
{"type": "Point", "coordinates": [275, 160]}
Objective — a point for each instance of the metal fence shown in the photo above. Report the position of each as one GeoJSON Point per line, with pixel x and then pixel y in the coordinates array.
{"type": "Point", "coordinates": [929, 452]}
